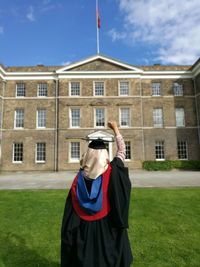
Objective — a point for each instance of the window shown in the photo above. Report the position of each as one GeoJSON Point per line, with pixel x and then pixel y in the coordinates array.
{"type": "Point", "coordinates": [99, 88]}
{"type": "Point", "coordinates": [41, 118]}
{"type": "Point", "coordinates": [159, 150]}
{"type": "Point", "coordinates": [124, 117]}
{"type": "Point", "coordinates": [123, 88]}
{"type": "Point", "coordinates": [19, 118]}
{"type": "Point", "coordinates": [178, 89]}
{"type": "Point", "coordinates": [180, 117]}
{"type": "Point", "coordinates": [20, 90]}
{"type": "Point", "coordinates": [128, 149]}
{"type": "Point", "coordinates": [75, 89]}
{"type": "Point", "coordinates": [42, 89]}
{"type": "Point", "coordinates": [75, 117]}
{"type": "Point", "coordinates": [156, 89]}
{"type": "Point", "coordinates": [41, 152]}
{"type": "Point", "coordinates": [75, 151]}
{"type": "Point", "coordinates": [18, 152]}
{"type": "Point", "coordinates": [182, 150]}
{"type": "Point", "coordinates": [157, 117]}
{"type": "Point", "coordinates": [100, 117]}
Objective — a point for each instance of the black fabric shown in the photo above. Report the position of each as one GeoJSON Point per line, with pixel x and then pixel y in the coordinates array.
{"type": "Point", "coordinates": [97, 144]}
{"type": "Point", "coordinates": [101, 243]}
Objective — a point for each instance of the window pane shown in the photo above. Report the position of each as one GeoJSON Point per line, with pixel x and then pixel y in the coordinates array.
{"type": "Point", "coordinates": [20, 89]}
{"type": "Point", "coordinates": [41, 118]}
{"type": "Point", "coordinates": [75, 117]}
{"type": "Point", "coordinates": [19, 118]}
{"type": "Point", "coordinates": [180, 117]}
{"type": "Point", "coordinates": [128, 149]}
{"type": "Point", "coordinates": [124, 88]}
{"type": "Point", "coordinates": [158, 117]}
{"type": "Point", "coordinates": [42, 89]}
{"type": "Point", "coordinates": [100, 117]}
{"type": "Point", "coordinates": [182, 150]}
{"type": "Point", "coordinates": [99, 88]}
{"type": "Point", "coordinates": [75, 150]}
{"type": "Point", "coordinates": [125, 117]}
{"type": "Point", "coordinates": [159, 150]}
{"type": "Point", "coordinates": [178, 89]}
{"type": "Point", "coordinates": [156, 89]}
{"type": "Point", "coordinates": [18, 152]}
{"type": "Point", "coordinates": [41, 152]}
{"type": "Point", "coordinates": [75, 88]}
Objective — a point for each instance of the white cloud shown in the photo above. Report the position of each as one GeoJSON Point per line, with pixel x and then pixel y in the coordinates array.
{"type": "Point", "coordinates": [65, 63]}
{"type": "Point", "coordinates": [1, 30]}
{"type": "Point", "coordinates": [30, 14]}
{"type": "Point", "coordinates": [173, 26]}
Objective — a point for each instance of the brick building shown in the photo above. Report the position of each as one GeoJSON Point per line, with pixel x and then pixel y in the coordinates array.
{"type": "Point", "coordinates": [46, 111]}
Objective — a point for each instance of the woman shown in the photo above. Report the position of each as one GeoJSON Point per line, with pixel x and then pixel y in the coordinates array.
{"type": "Point", "coordinates": [95, 221]}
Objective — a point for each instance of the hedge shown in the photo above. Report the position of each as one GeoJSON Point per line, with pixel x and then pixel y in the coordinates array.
{"type": "Point", "coordinates": [171, 164]}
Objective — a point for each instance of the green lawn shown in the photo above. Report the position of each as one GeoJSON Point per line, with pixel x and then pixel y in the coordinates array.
{"type": "Point", "coordinates": [164, 227]}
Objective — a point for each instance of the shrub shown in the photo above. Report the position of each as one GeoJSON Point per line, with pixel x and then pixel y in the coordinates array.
{"type": "Point", "coordinates": [171, 164]}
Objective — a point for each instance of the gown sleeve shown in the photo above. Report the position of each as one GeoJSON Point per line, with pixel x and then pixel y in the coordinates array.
{"type": "Point", "coordinates": [119, 194]}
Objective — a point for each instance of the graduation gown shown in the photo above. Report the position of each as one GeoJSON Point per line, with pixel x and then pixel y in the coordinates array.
{"type": "Point", "coordinates": [103, 242]}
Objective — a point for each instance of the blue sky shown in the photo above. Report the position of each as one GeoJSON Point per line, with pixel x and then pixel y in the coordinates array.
{"type": "Point", "coordinates": [139, 32]}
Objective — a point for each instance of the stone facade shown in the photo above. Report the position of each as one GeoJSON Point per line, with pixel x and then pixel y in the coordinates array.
{"type": "Point", "coordinates": [58, 133]}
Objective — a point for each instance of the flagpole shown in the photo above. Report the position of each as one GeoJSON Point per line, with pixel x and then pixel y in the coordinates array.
{"type": "Point", "coordinates": [97, 25]}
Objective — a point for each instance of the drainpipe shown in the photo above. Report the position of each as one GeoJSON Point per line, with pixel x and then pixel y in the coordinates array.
{"type": "Point", "coordinates": [2, 110]}
{"type": "Point", "coordinates": [56, 125]}
{"type": "Point", "coordinates": [197, 110]}
{"type": "Point", "coordinates": [142, 121]}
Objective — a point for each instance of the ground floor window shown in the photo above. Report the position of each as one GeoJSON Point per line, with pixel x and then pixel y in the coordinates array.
{"type": "Point", "coordinates": [40, 152]}
{"type": "Point", "coordinates": [128, 149]}
{"type": "Point", "coordinates": [75, 151]}
{"type": "Point", "coordinates": [159, 150]}
{"type": "Point", "coordinates": [182, 149]}
{"type": "Point", "coordinates": [18, 152]}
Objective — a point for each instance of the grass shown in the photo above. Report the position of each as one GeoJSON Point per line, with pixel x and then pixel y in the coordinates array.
{"type": "Point", "coordinates": [164, 227]}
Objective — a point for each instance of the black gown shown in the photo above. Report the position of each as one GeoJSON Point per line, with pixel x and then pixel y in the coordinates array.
{"type": "Point", "coordinates": [104, 242]}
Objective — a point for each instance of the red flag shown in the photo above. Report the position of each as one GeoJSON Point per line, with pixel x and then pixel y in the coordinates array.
{"type": "Point", "coordinates": [98, 18]}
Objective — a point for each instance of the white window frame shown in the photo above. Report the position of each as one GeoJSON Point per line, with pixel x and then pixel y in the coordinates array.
{"type": "Point", "coordinates": [128, 143]}
{"type": "Point", "coordinates": [36, 152]}
{"type": "Point", "coordinates": [158, 118]}
{"type": "Point", "coordinates": [161, 143]}
{"type": "Point", "coordinates": [156, 91]}
{"type": "Point", "coordinates": [180, 118]}
{"type": "Point", "coordinates": [43, 118]}
{"type": "Point", "coordinates": [15, 119]}
{"type": "Point", "coordinates": [24, 89]}
{"type": "Point", "coordinates": [71, 119]}
{"type": "Point", "coordinates": [180, 149]}
{"type": "Point", "coordinates": [119, 88]}
{"type": "Point", "coordinates": [75, 159]}
{"type": "Point", "coordinates": [41, 86]}
{"type": "Point", "coordinates": [95, 117]}
{"type": "Point", "coordinates": [129, 117]}
{"type": "Point", "coordinates": [13, 153]}
{"type": "Point", "coordinates": [94, 88]}
{"type": "Point", "coordinates": [178, 89]}
{"type": "Point", "coordinates": [70, 89]}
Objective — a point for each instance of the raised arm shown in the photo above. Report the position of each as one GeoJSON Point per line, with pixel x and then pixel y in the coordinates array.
{"type": "Point", "coordinates": [121, 148]}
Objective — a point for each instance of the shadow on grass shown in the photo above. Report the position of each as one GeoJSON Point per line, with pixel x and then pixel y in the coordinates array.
{"type": "Point", "coordinates": [15, 253]}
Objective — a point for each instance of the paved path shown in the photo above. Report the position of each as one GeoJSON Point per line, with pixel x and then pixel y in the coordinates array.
{"type": "Point", "coordinates": [62, 180]}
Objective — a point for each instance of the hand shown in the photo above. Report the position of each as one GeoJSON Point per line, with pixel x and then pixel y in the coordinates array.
{"type": "Point", "coordinates": [113, 125]}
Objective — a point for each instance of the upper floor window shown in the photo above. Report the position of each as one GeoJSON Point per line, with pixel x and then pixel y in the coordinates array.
{"type": "Point", "coordinates": [123, 88]}
{"type": "Point", "coordinates": [180, 117]}
{"type": "Point", "coordinates": [42, 89]}
{"type": "Point", "coordinates": [124, 117]}
{"type": "Point", "coordinates": [74, 151]}
{"type": "Point", "coordinates": [19, 118]}
{"type": "Point", "coordinates": [98, 88]}
{"type": "Point", "coordinates": [182, 150]}
{"type": "Point", "coordinates": [75, 88]}
{"type": "Point", "coordinates": [40, 152]}
{"type": "Point", "coordinates": [156, 89]}
{"type": "Point", "coordinates": [18, 152]}
{"type": "Point", "coordinates": [178, 89]}
{"type": "Point", "coordinates": [128, 149]}
{"type": "Point", "coordinates": [159, 150]}
{"type": "Point", "coordinates": [20, 90]}
{"type": "Point", "coordinates": [158, 117]}
{"type": "Point", "coordinates": [75, 117]}
{"type": "Point", "coordinates": [41, 118]}
{"type": "Point", "coordinates": [100, 117]}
